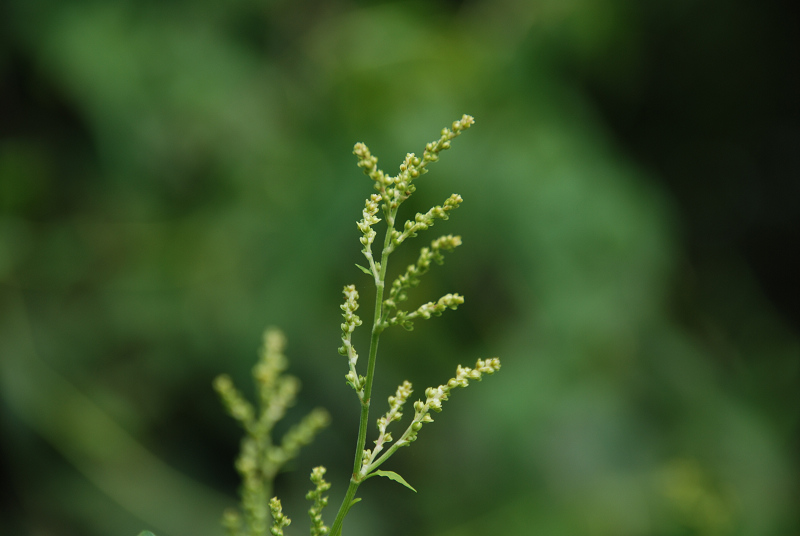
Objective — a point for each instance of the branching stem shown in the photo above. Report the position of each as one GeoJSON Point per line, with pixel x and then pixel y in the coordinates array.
{"type": "Point", "coordinates": [378, 326]}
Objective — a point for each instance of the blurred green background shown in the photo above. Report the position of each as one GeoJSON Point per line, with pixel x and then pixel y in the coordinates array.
{"type": "Point", "coordinates": [175, 176]}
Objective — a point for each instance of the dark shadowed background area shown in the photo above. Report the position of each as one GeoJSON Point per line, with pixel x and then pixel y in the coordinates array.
{"type": "Point", "coordinates": [175, 176]}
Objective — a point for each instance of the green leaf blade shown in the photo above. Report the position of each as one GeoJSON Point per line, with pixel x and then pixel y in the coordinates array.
{"type": "Point", "coordinates": [365, 270]}
{"type": "Point", "coordinates": [391, 475]}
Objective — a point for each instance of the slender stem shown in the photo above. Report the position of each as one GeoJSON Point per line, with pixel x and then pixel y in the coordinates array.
{"type": "Point", "coordinates": [336, 529]}
{"type": "Point", "coordinates": [377, 328]}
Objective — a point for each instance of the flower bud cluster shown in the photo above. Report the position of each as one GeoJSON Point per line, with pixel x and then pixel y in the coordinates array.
{"type": "Point", "coordinates": [278, 519]}
{"type": "Point", "coordinates": [351, 321]}
{"type": "Point", "coordinates": [238, 408]}
{"type": "Point", "coordinates": [272, 362]}
{"type": "Point", "coordinates": [318, 528]}
{"type": "Point", "coordinates": [396, 403]}
{"type": "Point", "coordinates": [422, 222]}
{"type": "Point", "coordinates": [276, 391]}
{"type": "Point", "coordinates": [260, 459]}
{"type": "Point", "coordinates": [447, 242]}
{"type": "Point", "coordinates": [298, 436]}
{"type": "Point", "coordinates": [401, 186]}
{"type": "Point", "coordinates": [435, 396]}
{"type": "Point", "coordinates": [451, 301]}
{"type": "Point", "coordinates": [409, 170]}
{"type": "Point", "coordinates": [369, 164]}
{"type": "Point", "coordinates": [278, 401]}
{"type": "Point", "coordinates": [395, 190]}
{"type": "Point", "coordinates": [349, 308]}
{"type": "Point", "coordinates": [365, 226]}
{"type": "Point", "coordinates": [232, 522]}
{"type": "Point", "coordinates": [433, 148]}
{"type": "Point", "coordinates": [395, 408]}
{"type": "Point", "coordinates": [411, 277]}
{"type": "Point", "coordinates": [254, 487]}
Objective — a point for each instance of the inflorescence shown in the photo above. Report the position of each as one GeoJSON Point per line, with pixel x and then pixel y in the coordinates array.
{"type": "Point", "coordinates": [260, 459]}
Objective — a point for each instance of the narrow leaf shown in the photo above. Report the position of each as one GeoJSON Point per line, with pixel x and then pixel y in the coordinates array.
{"type": "Point", "coordinates": [354, 501]}
{"type": "Point", "coordinates": [365, 270]}
{"type": "Point", "coordinates": [394, 476]}
{"type": "Point", "coordinates": [146, 533]}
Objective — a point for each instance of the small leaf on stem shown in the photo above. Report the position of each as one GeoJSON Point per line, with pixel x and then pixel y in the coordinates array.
{"type": "Point", "coordinates": [365, 270]}
{"type": "Point", "coordinates": [394, 476]}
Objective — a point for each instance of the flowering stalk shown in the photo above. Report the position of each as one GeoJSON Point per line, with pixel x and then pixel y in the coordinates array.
{"type": "Point", "coordinates": [433, 402]}
{"type": "Point", "coordinates": [392, 192]}
{"type": "Point", "coordinates": [318, 527]}
{"type": "Point", "coordinates": [260, 458]}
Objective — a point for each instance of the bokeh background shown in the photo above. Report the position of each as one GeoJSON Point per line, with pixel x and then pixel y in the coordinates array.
{"type": "Point", "coordinates": [175, 176]}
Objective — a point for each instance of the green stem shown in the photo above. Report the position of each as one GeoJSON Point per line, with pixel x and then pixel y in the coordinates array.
{"type": "Point", "coordinates": [377, 328]}
{"type": "Point", "coordinates": [336, 529]}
